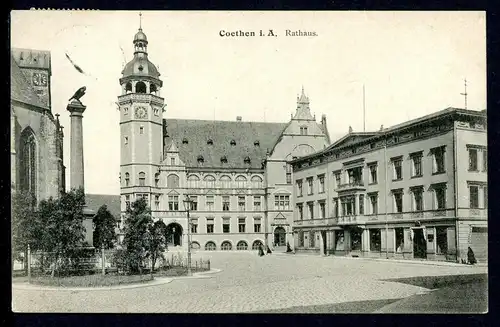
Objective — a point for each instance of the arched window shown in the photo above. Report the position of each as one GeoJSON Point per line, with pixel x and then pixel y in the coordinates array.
{"type": "Point", "coordinates": [195, 245]}
{"type": "Point", "coordinates": [193, 181]}
{"type": "Point", "coordinates": [256, 244]}
{"type": "Point", "coordinates": [142, 179]}
{"type": "Point", "coordinates": [225, 181]}
{"type": "Point", "coordinates": [242, 245]}
{"type": "Point", "coordinates": [153, 88]}
{"type": "Point", "coordinates": [200, 160]}
{"type": "Point", "coordinates": [157, 179]}
{"type": "Point", "coordinates": [128, 87]}
{"type": "Point", "coordinates": [140, 87]}
{"type": "Point", "coordinates": [256, 182]}
{"type": "Point", "coordinates": [226, 246]}
{"type": "Point", "coordinates": [210, 181]}
{"type": "Point", "coordinates": [233, 142]}
{"type": "Point", "coordinates": [28, 161]}
{"type": "Point", "coordinates": [210, 246]}
{"type": "Point", "coordinates": [223, 160]}
{"type": "Point", "coordinates": [247, 160]}
{"type": "Point", "coordinates": [172, 181]}
{"type": "Point", "coordinates": [127, 179]}
{"type": "Point", "coordinates": [241, 181]}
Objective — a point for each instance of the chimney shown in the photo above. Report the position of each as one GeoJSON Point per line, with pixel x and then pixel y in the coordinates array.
{"type": "Point", "coordinates": [238, 118]}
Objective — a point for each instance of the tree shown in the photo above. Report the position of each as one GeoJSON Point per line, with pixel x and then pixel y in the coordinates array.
{"type": "Point", "coordinates": [63, 229]}
{"type": "Point", "coordinates": [104, 228]}
{"type": "Point", "coordinates": [157, 242]}
{"type": "Point", "coordinates": [138, 224]}
{"type": "Point", "coordinates": [25, 225]}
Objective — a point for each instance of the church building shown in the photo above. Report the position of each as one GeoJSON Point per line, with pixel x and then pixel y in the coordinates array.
{"type": "Point", "coordinates": [234, 173]}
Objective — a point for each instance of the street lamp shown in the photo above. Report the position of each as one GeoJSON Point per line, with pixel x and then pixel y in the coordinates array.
{"type": "Point", "coordinates": [187, 204]}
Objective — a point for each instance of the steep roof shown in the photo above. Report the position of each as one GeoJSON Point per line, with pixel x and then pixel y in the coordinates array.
{"type": "Point", "coordinates": [95, 201]}
{"type": "Point", "coordinates": [20, 89]}
{"type": "Point", "coordinates": [245, 134]}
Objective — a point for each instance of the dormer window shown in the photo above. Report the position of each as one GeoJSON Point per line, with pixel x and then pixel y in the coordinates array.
{"type": "Point", "coordinates": [185, 141]}
{"type": "Point", "coordinates": [223, 159]}
{"type": "Point", "coordinates": [233, 142]}
{"type": "Point", "coordinates": [210, 142]}
{"type": "Point", "coordinates": [247, 160]}
{"type": "Point", "coordinates": [256, 143]}
{"type": "Point", "coordinates": [140, 67]}
{"type": "Point", "coordinates": [200, 159]}
{"type": "Point", "coordinates": [303, 130]}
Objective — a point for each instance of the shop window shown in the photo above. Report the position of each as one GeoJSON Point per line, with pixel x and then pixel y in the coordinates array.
{"type": "Point", "coordinates": [375, 240]}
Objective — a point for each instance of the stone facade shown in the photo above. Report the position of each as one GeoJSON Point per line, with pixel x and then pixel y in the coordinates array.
{"type": "Point", "coordinates": [415, 190]}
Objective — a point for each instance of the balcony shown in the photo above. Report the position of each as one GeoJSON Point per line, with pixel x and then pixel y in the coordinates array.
{"type": "Point", "coordinates": [479, 213]}
{"type": "Point", "coordinates": [169, 214]}
{"type": "Point", "coordinates": [409, 216]}
{"type": "Point", "coordinates": [140, 97]}
{"type": "Point", "coordinates": [354, 186]}
{"type": "Point", "coordinates": [351, 220]}
{"type": "Point", "coordinates": [315, 222]}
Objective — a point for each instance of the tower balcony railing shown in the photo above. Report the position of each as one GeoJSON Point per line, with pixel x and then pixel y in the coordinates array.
{"type": "Point", "coordinates": [140, 97]}
{"type": "Point", "coordinates": [352, 186]}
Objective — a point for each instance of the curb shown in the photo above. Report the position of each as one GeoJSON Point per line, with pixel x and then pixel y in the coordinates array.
{"type": "Point", "coordinates": [154, 282]}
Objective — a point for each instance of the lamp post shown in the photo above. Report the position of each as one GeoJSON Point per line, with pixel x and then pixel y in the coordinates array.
{"type": "Point", "coordinates": [187, 205]}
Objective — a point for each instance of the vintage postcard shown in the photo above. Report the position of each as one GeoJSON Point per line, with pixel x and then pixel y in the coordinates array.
{"type": "Point", "coordinates": [249, 162]}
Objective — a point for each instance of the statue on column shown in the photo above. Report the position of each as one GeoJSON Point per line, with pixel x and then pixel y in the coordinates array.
{"type": "Point", "coordinates": [78, 94]}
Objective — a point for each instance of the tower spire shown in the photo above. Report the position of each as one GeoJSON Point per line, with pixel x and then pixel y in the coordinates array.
{"type": "Point", "coordinates": [140, 21]}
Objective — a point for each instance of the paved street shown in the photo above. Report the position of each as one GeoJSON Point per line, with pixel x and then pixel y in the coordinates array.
{"type": "Point", "coordinates": [248, 283]}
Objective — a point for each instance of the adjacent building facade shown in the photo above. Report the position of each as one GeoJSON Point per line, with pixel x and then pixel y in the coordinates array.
{"type": "Point", "coordinates": [235, 173]}
{"type": "Point", "coordinates": [36, 135]}
{"type": "Point", "coordinates": [415, 190]}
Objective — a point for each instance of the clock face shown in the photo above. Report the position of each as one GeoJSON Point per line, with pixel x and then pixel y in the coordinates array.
{"type": "Point", "coordinates": [39, 79]}
{"type": "Point", "coordinates": [140, 112]}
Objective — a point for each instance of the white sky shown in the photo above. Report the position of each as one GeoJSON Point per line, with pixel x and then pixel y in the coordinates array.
{"type": "Point", "coordinates": [412, 64]}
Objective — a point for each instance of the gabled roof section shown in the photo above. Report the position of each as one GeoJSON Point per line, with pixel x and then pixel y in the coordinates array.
{"type": "Point", "coordinates": [352, 138]}
{"type": "Point", "coordinates": [20, 89]}
{"type": "Point", "coordinates": [172, 147]}
{"type": "Point", "coordinates": [95, 201]}
{"type": "Point", "coordinates": [198, 132]}
{"type": "Point", "coordinates": [303, 111]}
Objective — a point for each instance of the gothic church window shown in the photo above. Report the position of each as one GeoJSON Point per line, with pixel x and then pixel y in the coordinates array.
{"type": "Point", "coordinates": [28, 162]}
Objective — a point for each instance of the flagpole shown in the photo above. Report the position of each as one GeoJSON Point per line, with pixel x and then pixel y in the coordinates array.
{"type": "Point", "coordinates": [364, 110]}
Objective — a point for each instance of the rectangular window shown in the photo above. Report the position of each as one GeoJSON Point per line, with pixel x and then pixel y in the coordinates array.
{"type": "Point", "coordinates": [256, 225]}
{"type": "Point", "coordinates": [301, 239]}
{"type": "Point", "coordinates": [397, 167]}
{"type": "Point", "coordinates": [440, 198]}
{"type": "Point", "coordinates": [127, 202]}
{"type": "Point", "coordinates": [282, 202]}
{"type": "Point", "coordinates": [441, 240]}
{"type": "Point", "coordinates": [355, 176]}
{"type": "Point", "coordinates": [337, 179]}
{"type": "Point", "coordinates": [141, 130]}
{"type": "Point", "coordinates": [157, 202]}
{"type": "Point", "coordinates": [398, 201]}
{"type": "Point", "coordinates": [288, 174]}
{"type": "Point", "coordinates": [361, 204]}
{"type": "Point", "coordinates": [373, 174]}
{"type": "Point", "coordinates": [375, 240]}
{"type": "Point", "coordinates": [485, 160]}
{"type": "Point", "coordinates": [173, 203]}
{"type": "Point", "coordinates": [373, 203]}
{"type": "Point", "coordinates": [241, 225]}
{"type": "Point", "coordinates": [226, 226]}
{"type": "Point", "coordinates": [310, 205]}
{"type": "Point", "coordinates": [126, 140]}
{"type": "Point", "coordinates": [256, 203]}
{"type": "Point", "coordinates": [172, 161]}
{"type": "Point", "coordinates": [241, 203]}
{"type": "Point", "coordinates": [418, 202]}
{"type": "Point", "coordinates": [400, 239]}
{"type": "Point", "coordinates": [210, 225]}
{"type": "Point", "coordinates": [157, 180]}
{"type": "Point", "coordinates": [438, 160]}
{"type": "Point", "coordinates": [474, 196]}
{"type": "Point", "coordinates": [299, 188]}
{"type": "Point", "coordinates": [321, 181]}
{"type": "Point", "coordinates": [312, 239]}
{"type": "Point", "coordinates": [416, 165]}
{"type": "Point", "coordinates": [322, 210]}
{"type": "Point", "coordinates": [485, 197]}
{"type": "Point", "coordinates": [300, 210]}
{"type": "Point", "coordinates": [335, 207]}
{"type": "Point", "coordinates": [473, 159]}
{"type": "Point", "coordinates": [225, 203]}
{"type": "Point", "coordinates": [348, 205]}
{"type": "Point", "coordinates": [143, 196]}
{"type": "Point", "coordinates": [194, 228]}
{"type": "Point", "coordinates": [309, 186]}
{"type": "Point", "coordinates": [209, 202]}
{"type": "Point", "coordinates": [193, 202]}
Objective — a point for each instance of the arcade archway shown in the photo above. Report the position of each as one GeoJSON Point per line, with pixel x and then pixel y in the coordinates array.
{"type": "Point", "coordinates": [174, 234]}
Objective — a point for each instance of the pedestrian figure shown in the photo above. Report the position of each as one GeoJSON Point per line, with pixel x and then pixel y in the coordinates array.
{"type": "Point", "coordinates": [261, 250]}
{"type": "Point", "coordinates": [470, 256]}
{"type": "Point", "coordinates": [268, 250]}
{"type": "Point", "coordinates": [288, 248]}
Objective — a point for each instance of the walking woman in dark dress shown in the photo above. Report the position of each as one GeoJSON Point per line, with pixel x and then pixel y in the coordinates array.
{"type": "Point", "coordinates": [261, 250]}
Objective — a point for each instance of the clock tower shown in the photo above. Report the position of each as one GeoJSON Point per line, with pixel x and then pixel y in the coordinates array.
{"type": "Point", "coordinates": [141, 117]}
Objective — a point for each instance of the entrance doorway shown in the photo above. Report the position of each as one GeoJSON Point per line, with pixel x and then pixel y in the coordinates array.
{"type": "Point", "coordinates": [279, 237]}
{"type": "Point", "coordinates": [419, 244]}
{"type": "Point", "coordinates": [174, 234]}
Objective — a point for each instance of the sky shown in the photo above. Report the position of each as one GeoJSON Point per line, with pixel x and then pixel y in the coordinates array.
{"type": "Point", "coordinates": [410, 63]}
